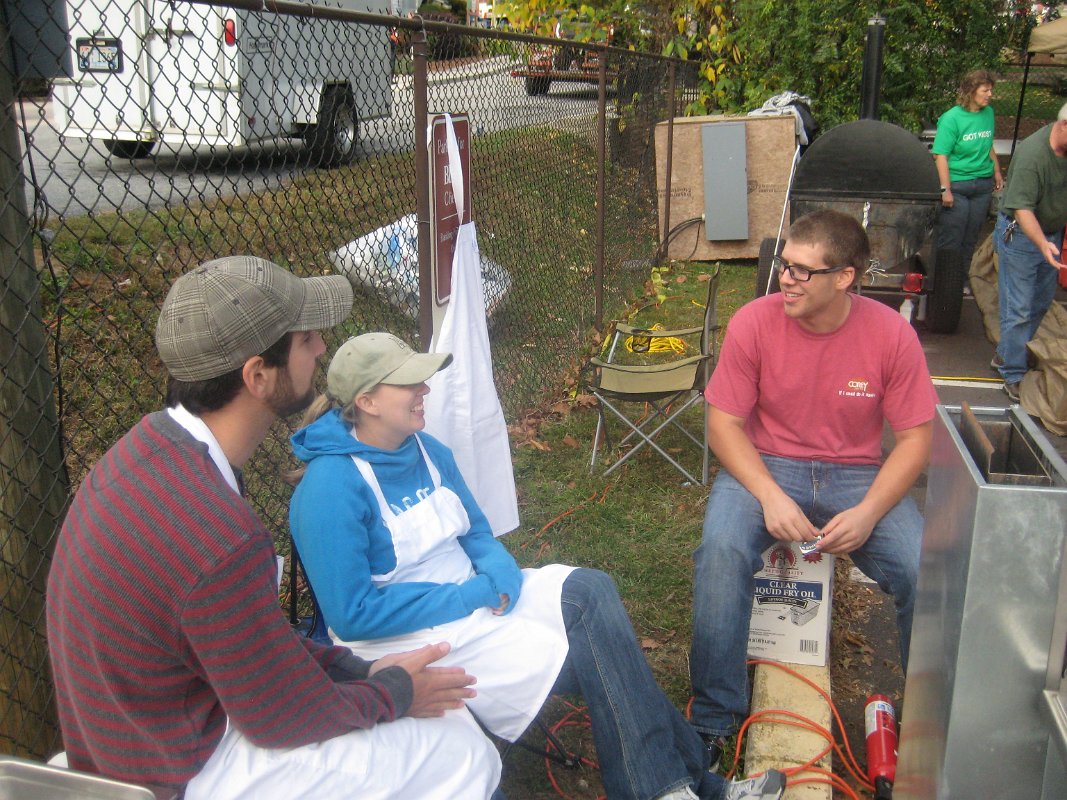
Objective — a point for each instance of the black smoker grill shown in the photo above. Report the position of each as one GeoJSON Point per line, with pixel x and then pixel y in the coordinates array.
{"type": "Point", "coordinates": [885, 177]}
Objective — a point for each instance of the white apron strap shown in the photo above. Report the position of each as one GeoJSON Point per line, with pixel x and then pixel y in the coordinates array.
{"type": "Point", "coordinates": [367, 472]}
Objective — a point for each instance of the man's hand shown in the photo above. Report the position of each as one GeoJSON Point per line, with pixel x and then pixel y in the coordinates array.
{"type": "Point", "coordinates": [785, 520]}
{"type": "Point", "coordinates": [435, 689]}
{"type": "Point", "coordinates": [1052, 255]}
{"type": "Point", "coordinates": [847, 531]}
{"type": "Point", "coordinates": [1029, 225]}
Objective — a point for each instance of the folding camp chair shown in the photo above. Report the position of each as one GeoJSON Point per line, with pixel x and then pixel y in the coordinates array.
{"type": "Point", "coordinates": [665, 388]}
{"type": "Point", "coordinates": [313, 625]}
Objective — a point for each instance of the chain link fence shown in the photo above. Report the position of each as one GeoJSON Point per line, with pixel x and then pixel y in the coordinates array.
{"type": "Point", "coordinates": [185, 131]}
{"type": "Point", "coordinates": [1031, 90]}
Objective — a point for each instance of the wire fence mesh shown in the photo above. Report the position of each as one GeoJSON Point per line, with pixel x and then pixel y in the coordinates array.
{"type": "Point", "coordinates": [1029, 94]}
{"type": "Point", "coordinates": [184, 131]}
{"type": "Point", "coordinates": [187, 131]}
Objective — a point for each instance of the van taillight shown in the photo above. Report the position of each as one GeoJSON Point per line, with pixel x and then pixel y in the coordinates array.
{"type": "Point", "coordinates": [230, 33]}
{"type": "Point", "coordinates": [913, 282]}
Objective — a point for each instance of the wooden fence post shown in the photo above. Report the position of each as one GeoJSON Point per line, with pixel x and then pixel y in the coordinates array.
{"type": "Point", "coordinates": [34, 488]}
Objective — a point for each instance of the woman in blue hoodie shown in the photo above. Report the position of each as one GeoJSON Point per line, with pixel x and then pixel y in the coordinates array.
{"type": "Point", "coordinates": [400, 555]}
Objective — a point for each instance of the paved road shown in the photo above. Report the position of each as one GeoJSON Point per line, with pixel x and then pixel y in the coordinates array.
{"type": "Point", "coordinates": [74, 176]}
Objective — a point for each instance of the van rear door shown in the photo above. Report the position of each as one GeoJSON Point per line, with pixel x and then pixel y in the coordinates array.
{"type": "Point", "coordinates": [191, 76]}
{"type": "Point", "coordinates": [109, 96]}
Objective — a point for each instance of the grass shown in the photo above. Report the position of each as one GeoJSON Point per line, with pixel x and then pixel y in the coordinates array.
{"type": "Point", "coordinates": [105, 274]}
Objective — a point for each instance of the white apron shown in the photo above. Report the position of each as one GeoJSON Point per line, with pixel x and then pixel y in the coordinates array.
{"type": "Point", "coordinates": [516, 657]}
{"type": "Point", "coordinates": [462, 408]}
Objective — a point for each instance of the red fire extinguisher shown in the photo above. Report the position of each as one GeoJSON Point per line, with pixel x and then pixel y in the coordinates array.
{"type": "Point", "coordinates": [880, 725]}
{"type": "Point", "coordinates": [1063, 272]}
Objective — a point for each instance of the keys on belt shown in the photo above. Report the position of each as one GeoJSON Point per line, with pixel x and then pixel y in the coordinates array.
{"type": "Point", "coordinates": [1009, 230]}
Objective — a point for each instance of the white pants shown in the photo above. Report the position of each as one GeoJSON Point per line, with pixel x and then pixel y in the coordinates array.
{"type": "Point", "coordinates": [445, 757]}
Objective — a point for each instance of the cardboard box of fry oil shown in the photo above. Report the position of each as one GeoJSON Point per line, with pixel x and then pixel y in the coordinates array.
{"type": "Point", "coordinates": [791, 608]}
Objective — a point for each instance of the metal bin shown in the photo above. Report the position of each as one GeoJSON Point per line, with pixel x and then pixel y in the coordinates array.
{"type": "Point", "coordinates": [991, 608]}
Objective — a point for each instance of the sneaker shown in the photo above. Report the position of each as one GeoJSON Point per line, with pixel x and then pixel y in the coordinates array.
{"type": "Point", "coordinates": [768, 786]}
{"type": "Point", "coordinates": [715, 745]}
{"type": "Point", "coordinates": [1012, 391]}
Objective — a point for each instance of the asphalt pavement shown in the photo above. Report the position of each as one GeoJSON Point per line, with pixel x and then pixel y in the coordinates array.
{"type": "Point", "coordinates": [71, 176]}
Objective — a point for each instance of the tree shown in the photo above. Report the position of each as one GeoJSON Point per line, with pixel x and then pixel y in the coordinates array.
{"type": "Point", "coordinates": [640, 26]}
{"type": "Point", "coordinates": [816, 47]}
{"type": "Point", "coordinates": [703, 30]}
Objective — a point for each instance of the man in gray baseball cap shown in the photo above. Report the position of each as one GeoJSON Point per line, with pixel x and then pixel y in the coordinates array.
{"type": "Point", "coordinates": [165, 582]}
{"type": "Point", "coordinates": [228, 310]}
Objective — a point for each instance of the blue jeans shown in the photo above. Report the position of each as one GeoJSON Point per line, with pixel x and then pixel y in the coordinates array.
{"type": "Point", "coordinates": [644, 745]}
{"type": "Point", "coordinates": [730, 554]}
{"type": "Point", "coordinates": [960, 224]}
{"type": "Point", "coordinates": [1027, 285]}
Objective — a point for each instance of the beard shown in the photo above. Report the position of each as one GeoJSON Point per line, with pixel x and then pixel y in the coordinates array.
{"type": "Point", "coordinates": [284, 401]}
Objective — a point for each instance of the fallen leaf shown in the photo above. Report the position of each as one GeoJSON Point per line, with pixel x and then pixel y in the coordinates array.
{"type": "Point", "coordinates": [536, 444]}
{"type": "Point", "coordinates": [570, 441]}
{"type": "Point", "coordinates": [855, 639]}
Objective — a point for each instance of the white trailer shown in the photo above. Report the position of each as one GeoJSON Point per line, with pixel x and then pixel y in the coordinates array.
{"type": "Point", "coordinates": [151, 71]}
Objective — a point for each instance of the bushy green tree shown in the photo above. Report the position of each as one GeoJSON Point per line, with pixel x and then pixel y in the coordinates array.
{"type": "Point", "coordinates": [640, 26]}
{"type": "Point", "coordinates": [703, 30]}
{"type": "Point", "coordinates": [749, 50]}
{"type": "Point", "coordinates": [816, 48]}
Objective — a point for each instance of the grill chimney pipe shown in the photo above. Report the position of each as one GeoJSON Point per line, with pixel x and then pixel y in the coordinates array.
{"type": "Point", "coordinates": [871, 89]}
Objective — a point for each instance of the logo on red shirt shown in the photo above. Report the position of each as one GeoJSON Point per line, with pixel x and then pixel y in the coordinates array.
{"type": "Point", "coordinates": [857, 387]}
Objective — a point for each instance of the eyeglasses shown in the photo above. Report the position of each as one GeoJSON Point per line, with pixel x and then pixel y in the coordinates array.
{"type": "Point", "coordinates": [798, 273]}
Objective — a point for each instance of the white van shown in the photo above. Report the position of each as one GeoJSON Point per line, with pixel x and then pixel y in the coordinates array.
{"type": "Point", "coordinates": [151, 71]}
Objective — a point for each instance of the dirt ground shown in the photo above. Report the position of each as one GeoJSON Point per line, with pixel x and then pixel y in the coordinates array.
{"type": "Point", "coordinates": [1004, 127]}
{"type": "Point", "coordinates": [866, 657]}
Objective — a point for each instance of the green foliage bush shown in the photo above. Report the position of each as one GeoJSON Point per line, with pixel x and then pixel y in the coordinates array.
{"type": "Point", "coordinates": [816, 48]}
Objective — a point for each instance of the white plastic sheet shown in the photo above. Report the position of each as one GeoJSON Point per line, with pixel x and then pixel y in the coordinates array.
{"type": "Point", "coordinates": [386, 261]}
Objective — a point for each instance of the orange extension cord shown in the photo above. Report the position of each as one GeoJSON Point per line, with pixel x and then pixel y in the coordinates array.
{"type": "Point", "coordinates": [545, 545]}
{"type": "Point", "coordinates": [805, 773]}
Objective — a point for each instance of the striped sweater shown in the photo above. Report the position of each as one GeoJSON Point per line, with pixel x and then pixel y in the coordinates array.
{"type": "Point", "coordinates": [163, 621]}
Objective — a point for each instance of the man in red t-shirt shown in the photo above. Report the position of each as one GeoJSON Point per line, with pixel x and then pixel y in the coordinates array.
{"type": "Point", "coordinates": [805, 381]}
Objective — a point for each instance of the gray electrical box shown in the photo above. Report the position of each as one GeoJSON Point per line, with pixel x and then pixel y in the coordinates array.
{"type": "Point", "coordinates": [725, 157]}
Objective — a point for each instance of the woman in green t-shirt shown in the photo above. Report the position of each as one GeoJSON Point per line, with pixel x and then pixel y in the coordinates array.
{"type": "Point", "coordinates": [966, 164]}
